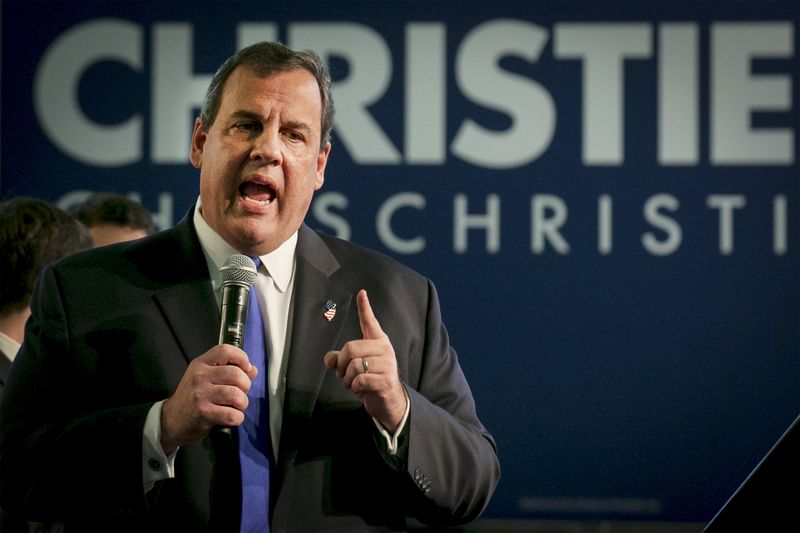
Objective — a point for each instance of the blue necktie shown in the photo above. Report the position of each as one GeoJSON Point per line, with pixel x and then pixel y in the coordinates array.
{"type": "Point", "coordinates": [255, 447]}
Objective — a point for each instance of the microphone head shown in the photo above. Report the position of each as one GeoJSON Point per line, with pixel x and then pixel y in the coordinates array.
{"type": "Point", "coordinates": [238, 270]}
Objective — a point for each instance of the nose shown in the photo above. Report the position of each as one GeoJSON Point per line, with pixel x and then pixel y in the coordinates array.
{"type": "Point", "coordinates": [266, 147]}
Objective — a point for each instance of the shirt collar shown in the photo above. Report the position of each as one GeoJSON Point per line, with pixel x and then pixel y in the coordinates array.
{"type": "Point", "coordinates": [279, 263]}
{"type": "Point", "coordinates": [8, 346]}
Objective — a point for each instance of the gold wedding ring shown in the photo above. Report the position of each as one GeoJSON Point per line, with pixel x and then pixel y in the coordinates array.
{"type": "Point", "coordinates": [364, 364]}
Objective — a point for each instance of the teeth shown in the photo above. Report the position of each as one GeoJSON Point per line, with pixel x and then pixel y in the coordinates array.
{"type": "Point", "coordinates": [259, 202]}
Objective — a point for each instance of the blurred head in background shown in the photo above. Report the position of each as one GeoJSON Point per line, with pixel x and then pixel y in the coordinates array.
{"type": "Point", "coordinates": [113, 218]}
{"type": "Point", "coordinates": [33, 233]}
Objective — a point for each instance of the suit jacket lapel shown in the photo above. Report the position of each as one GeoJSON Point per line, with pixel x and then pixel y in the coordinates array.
{"type": "Point", "coordinates": [5, 369]}
{"type": "Point", "coordinates": [311, 335]}
{"type": "Point", "coordinates": [187, 299]}
{"type": "Point", "coordinates": [186, 309]}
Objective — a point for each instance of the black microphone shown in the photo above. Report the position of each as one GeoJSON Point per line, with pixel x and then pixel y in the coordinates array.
{"type": "Point", "coordinates": [238, 275]}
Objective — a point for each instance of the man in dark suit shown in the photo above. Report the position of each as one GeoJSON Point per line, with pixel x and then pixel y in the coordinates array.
{"type": "Point", "coordinates": [33, 233]}
{"type": "Point", "coordinates": [371, 419]}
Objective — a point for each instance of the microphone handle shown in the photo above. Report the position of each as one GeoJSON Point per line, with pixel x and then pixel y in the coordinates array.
{"type": "Point", "coordinates": [233, 317]}
{"type": "Point", "coordinates": [233, 314]}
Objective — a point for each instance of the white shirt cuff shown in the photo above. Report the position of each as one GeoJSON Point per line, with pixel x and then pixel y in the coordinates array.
{"type": "Point", "coordinates": [391, 440]}
{"type": "Point", "coordinates": [156, 465]}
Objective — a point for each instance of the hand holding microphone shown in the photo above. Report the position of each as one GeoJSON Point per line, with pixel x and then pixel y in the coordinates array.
{"type": "Point", "coordinates": [213, 390]}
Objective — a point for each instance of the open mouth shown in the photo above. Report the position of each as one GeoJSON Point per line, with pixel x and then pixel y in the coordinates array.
{"type": "Point", "coordinates": [259, 193]}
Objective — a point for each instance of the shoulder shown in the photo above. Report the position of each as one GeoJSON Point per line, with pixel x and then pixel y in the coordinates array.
{"type": "Point", "coordinates": [352, 267]}
{"type": "Point", "coordinates": [162, 257]}
{"type": "Point", "coordinates": [353, 257]}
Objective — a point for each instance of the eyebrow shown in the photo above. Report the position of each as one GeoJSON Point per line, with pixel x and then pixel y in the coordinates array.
{"type": "Point", "coordinates": [251, 115]}
{"type": "Point", "coordinates": [243, 113]}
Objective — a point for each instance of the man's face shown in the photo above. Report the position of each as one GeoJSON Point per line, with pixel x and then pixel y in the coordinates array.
{"type": "Point", "coordinates": [260, 161]}
{"type": "Point", "coordinates": [103, 234]}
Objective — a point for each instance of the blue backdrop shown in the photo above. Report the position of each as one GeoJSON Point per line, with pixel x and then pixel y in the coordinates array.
{"type": "Point", "coordinates": [605, 194]}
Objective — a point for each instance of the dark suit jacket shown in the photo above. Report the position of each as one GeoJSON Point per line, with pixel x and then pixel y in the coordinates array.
{"type": "Point", "coordinates": [113, 331]}
{"type": "Point", "coordinates": [5, 368]}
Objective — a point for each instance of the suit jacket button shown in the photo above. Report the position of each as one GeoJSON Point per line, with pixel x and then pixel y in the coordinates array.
{"type": "Point", "coordinates": [154, 464]}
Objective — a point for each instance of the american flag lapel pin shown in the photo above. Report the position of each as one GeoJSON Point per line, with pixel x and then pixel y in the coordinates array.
{"type": "Point", "coordinates": [330, 310]}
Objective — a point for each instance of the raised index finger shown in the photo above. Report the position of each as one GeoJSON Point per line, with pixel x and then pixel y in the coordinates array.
{"type": "Point", "coordinates": [370, 328]}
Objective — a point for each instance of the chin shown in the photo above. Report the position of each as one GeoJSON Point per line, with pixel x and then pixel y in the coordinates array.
{"type": "Point", "coordinates": [260, 244]}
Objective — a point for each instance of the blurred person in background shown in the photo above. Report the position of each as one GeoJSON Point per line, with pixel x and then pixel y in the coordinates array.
{"type": "Point", "coordinates": [33, 233]}
{"type": "Point", "coordinates": [113, 218]}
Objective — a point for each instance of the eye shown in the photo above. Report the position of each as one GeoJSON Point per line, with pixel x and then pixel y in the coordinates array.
{"type": "Point", "coordinates": [294, 135]}
{"type": "Point", "coordinates": [248, 126]}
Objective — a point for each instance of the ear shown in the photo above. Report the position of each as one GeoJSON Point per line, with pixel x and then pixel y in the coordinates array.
{"type": "Point", "coordinates": [199, 137]}
{"type": "Point", "coordinates": [322, 161]}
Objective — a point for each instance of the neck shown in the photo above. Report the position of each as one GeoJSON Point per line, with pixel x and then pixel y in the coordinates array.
{"type": "Point", "coordinates": [13, 324]}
